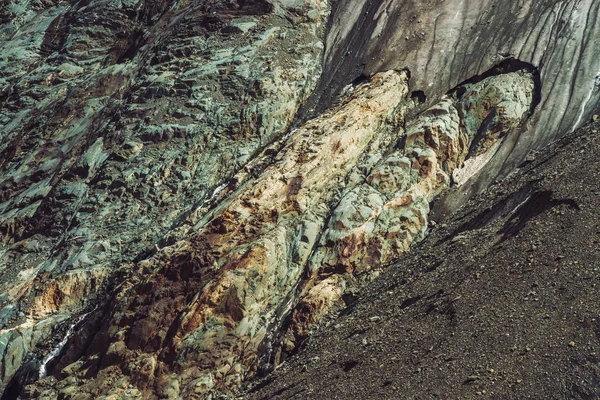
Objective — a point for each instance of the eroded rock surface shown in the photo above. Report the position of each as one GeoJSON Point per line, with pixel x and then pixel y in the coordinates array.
{"type": "Point", "coordinates": [171, 222]}
{"type": "Point", "coordinates": [379, 218]}
{"type": "Point", "coordinates": [120, 120]}
{"type": "Point", "coordinates": [203, 314]}
{"type": "Point", "coordinates": [197, 323]}
{"type": "Point", "coordinates": [444, 43]}
{"type": "Point", "coordinates": [498, 302]}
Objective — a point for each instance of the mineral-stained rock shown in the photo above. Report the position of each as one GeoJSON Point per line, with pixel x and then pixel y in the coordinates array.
{"type": "Point", "coordinates": [198, 322]}
{"type": "Point", "coordinates": [482, 308]}
{"type": "Point", "coordinates": [379, 219]}
{"type": "Point", "coordinates": [118, 120]}
{"type": "Point", "coordinates": [164, 174]}
{"type": "Point", "coordinates": [444, 43]}
{"type": "Point", "coordinates": [208, 308]}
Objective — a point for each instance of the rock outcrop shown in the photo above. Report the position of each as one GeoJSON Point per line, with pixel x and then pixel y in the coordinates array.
{"type": "Point", "coordinates": [119, 121]}
{"type": "Point", "coordinates": [187, 187]}
{"type": "Point", "coordinates": [206, 309]}
{"type": "Point", "coordinates": [379, 218]}
{"type": "Point", "coordinates": [444, 43]}
{"type": "Point", "coordinates": [498, 302]}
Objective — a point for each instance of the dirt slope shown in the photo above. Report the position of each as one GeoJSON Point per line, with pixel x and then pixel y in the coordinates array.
{"type": "Point", "coordinates": [500, 301]}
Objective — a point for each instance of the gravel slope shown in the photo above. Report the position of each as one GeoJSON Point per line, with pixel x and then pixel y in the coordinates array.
{"type": "Point", "coordinates": [500, 301]}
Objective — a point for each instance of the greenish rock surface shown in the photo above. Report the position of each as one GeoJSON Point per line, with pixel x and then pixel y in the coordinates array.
{"type": "Point", "coordinates": [177, 210]}
{"type": "Point", "coordinates": [120, 121]}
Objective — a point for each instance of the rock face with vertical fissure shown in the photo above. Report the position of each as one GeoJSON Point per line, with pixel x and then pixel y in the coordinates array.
{"type": "Point", "coordinates": [187, 187]}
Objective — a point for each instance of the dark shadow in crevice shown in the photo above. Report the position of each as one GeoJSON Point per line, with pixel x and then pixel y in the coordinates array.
{"type": "Point", "coordinates": [505, 67]}
{"type": "Point", "coordinates": [134, 43]}
{"type": "Point", "coordinates": [359, 80]}
{"type": "Point", "coordinates": [418, 96]}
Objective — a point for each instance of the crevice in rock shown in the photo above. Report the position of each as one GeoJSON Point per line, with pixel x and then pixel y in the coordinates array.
{"type": "Point", "coordinates": [350, 300]}
{"type": "Point", "coordinates": [506, 66]}
{"type": "Point", "coordinates": [135, 42]}
{"type": "Point", "coordinates": [359, 80]}
{"type": "Point", "coordinates": [284, 314]}
{"type": "Point", "coordinates": [418, 96]}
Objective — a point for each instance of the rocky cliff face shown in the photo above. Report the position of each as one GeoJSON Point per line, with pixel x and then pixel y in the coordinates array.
{"type": "Point", "coordinates": [187, 187]}
{"type": "Point", "coordinates": [121, 120]}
